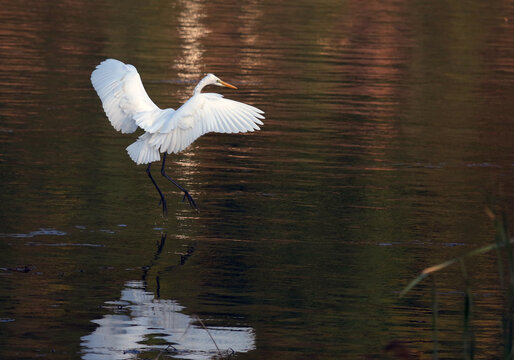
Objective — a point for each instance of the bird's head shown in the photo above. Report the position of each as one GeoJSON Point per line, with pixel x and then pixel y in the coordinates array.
{"type": "Point", "coordinates": [214, 80]}
{"type": "Point", "coordinates": [211, 79]}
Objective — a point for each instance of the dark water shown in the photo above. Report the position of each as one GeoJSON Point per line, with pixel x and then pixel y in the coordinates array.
{"type": "Point", "coordinates": [389, 125]}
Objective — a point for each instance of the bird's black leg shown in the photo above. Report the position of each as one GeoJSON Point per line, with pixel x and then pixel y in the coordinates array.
{"type": "Point", "coordinates": [186, 193]}
{"type": "Point", "coordinates": [163, 200]}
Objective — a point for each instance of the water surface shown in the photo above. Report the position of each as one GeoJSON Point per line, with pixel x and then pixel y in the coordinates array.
{"type": "Point", "coordinates": [389, 125]}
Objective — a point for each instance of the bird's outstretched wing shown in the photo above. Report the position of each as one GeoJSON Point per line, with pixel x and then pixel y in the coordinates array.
{"type": "Point", "coordinates": [202, 113]}
{"type": "Point", "coordinates": [123, 96]}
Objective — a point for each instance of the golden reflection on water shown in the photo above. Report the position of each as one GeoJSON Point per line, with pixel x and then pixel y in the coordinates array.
{"type": "Point", "coordinates": [191, 30]}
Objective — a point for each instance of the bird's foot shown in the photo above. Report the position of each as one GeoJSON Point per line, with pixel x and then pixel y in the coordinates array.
{"type": "Point", "coordinates": [164, 206]}
{"type": "Point", "coordinates": [190, 200]}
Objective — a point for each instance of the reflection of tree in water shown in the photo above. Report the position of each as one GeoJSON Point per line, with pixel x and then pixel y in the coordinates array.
{"type": "Point", "coordinates": [140, 321]}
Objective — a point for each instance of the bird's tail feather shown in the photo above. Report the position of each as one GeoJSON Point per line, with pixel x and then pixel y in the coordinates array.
{"type": "Point", "coordinates": [141, 152]}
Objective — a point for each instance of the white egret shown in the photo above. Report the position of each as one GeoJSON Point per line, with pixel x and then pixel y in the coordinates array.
{"type": "Point", "coordinates": [128, 106]}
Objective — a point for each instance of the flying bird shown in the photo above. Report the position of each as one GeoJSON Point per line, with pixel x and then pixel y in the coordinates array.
{"type": "Point", "coordinates": [128, 106]}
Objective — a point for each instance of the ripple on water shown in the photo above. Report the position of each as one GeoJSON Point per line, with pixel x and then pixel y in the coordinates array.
{"type": "Point", "coordinates": [40, 232]}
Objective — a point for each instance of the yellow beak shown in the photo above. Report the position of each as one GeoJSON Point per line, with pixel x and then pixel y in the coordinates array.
{"type": "Point", "coordinates": [227, 85]}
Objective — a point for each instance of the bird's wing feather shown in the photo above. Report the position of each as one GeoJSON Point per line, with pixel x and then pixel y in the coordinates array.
{"type": "Point", "coordinates": [124, 98]}
{"type": "Point", "coordinates": [203, 113]}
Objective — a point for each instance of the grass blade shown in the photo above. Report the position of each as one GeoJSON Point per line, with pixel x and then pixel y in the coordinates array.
{"type": "Point", "coordinates": [433, 269]}
{"type": "Point", "coordinates": [435, 320]}
{"type": "Point", "coordinates": [467, 331]}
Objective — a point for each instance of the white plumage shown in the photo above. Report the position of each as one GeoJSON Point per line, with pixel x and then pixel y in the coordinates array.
{"type": "Point", "coordinates": [128, 106]}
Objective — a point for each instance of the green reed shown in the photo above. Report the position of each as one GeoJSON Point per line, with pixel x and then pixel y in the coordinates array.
{"type": "Point", "coordinates": [504, 250]}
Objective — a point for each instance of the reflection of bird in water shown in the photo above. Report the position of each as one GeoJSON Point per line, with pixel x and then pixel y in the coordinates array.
{"type": "Point", "coordinates": [184, 256]}
{"type": "Point", "coordinates": [140, 321]}
{"type": "Point", "coordinates": [167, 131]}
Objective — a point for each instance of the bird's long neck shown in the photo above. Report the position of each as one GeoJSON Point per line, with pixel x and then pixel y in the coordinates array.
{"type": "Point", "coordinates": [200, 86]}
